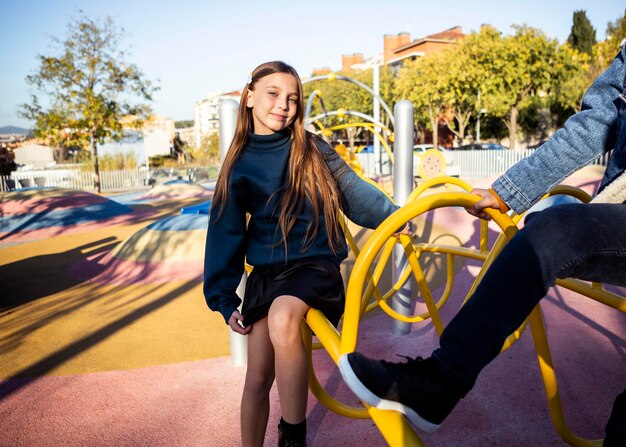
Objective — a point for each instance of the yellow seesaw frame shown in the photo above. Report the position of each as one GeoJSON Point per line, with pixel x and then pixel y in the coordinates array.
{"type": "Point", "coordinates": [392, 425]}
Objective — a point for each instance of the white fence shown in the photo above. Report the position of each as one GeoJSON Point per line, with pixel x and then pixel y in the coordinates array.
{"type": "Point", "coordinates": [474, 165]}
{"type": "Point", "coordinates": [76, 179]}
{"type": "Point", "coordinates": [486, 163]}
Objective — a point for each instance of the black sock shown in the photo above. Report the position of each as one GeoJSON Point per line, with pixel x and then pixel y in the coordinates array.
{"type": "Point", "coordinates": [294, 431]}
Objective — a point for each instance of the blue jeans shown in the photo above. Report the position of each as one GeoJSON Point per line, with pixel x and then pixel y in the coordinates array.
{"type": "Point", "coordinates": [574, 240]}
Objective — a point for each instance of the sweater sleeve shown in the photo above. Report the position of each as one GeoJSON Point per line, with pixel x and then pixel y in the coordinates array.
{"type": "Point", "coordinates": [225, 253]}
{"type": "Point", "coordinates": [364, 203]}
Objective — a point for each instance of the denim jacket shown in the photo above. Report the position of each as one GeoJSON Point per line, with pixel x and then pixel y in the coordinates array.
{"type": "Point", "coordinates": [599, 127]}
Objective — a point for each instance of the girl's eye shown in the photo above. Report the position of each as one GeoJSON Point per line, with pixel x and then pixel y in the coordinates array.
{"type": "Point", "coordinates": [273, 93]}
{"type": "Point", "coordinates": [293, 100]}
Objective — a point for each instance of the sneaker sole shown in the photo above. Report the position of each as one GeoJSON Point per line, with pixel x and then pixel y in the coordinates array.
{"type": "Point", "coordinates": [373, 400]}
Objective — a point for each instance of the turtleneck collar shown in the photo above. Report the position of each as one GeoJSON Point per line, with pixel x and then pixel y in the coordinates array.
{"type": "Point", "coordinates": [272, 141]}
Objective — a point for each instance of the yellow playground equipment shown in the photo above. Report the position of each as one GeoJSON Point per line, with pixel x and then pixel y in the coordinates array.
{"type": "Point", "coordinates": [363, 294]}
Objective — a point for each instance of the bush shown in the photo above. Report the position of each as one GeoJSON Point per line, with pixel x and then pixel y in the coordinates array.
{"type": "Point", "coordinates": [107, 162]}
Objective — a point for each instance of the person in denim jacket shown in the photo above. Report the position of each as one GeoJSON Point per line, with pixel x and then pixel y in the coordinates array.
{"type": "Point", "coordinates": [585, 241]}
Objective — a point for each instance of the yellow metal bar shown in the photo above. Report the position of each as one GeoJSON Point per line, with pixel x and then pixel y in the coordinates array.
{"type": "Point", "coordinates": [422, 284]}
{"type": "Point", "coordinates": [437, 181]}
{"type": "Point", "coordinates": [546, 366]}
{"type": "Point", "coordinates": [369, 127]}
{"type": "Point", "coordinates": [452, 250]}
{"type": "Point", "coordinates": [395, 429]}
{"type": "Point", "coordinates": [484, 236]}
{"type": "Point", "coordinates": [382, 234]}
{"type": "Point", "coordinates": [592, 291]}
{"type": "Point", "coordinates": [330, 340]}
{"type": "Point", "coordinates": [378, 271]}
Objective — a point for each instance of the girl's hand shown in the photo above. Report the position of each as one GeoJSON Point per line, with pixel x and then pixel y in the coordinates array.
{"type": "Point", "coordinates": [407, 230]}
{"type": "Point", "coordinates": [235, 322]}
{"type": "Point", "coordinates": [487, 200]}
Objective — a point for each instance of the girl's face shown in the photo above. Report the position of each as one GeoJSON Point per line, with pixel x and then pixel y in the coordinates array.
{"type": "Point", "coordinates": [274, 103]}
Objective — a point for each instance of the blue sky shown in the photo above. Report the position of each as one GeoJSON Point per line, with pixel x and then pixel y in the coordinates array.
{"type": "Point", "coordinates": [193, 47]}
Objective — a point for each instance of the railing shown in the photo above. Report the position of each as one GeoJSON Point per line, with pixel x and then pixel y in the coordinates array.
{"type": "Point", "coordinates": [474, 164]}
{"type": "Point", "coordinates": [479, 164]}
{"type": "Point", "coordinates": [121, 180]}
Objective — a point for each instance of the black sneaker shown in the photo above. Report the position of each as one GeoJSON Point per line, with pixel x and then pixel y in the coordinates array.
{"type": "Point", "coordinates": [420, 389]}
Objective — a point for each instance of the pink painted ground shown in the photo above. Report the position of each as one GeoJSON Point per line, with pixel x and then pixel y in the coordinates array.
{"type": "Point", "coordinates": [196, 403]}
{"type": "Point", "coordinates": [107, 269]}
{"type": "Point", "coordinates": [11, 237]}
{"type": "Point", "coordinates": [38, 204]}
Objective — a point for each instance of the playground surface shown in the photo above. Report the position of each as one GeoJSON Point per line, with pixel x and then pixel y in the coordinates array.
{"type": "Point", "coordinates": [92, 355]}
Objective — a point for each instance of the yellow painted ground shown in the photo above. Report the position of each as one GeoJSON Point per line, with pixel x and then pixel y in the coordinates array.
{"type": "Point", "coordinates": [51, 324]}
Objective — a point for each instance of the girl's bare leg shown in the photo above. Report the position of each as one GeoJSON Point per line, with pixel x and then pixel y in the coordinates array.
{"type": "Point", "coordinates": [291, 365]}
{"type": "Point", "coordinates": [255, 402]}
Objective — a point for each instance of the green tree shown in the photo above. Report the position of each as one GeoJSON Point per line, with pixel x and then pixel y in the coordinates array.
{"type": "Point", "coordinates": [570, 91]}
{"type": "Point", "coordinates": [572, 79]}
{"type": "Point", "coordinates": [582, 36]}
{"type": "Point", "coordinates": [522, 65]}
{"type": "Point", "coordinates": [604, 52]}
{"type": "Point", "coordinates": [93, 93]}
{"type": "Point", "coordinates": [183, 124]}
{"type": "Point", "coordinates": [424, 82]}
{"type": "Point", "coordinates": [468, 67]}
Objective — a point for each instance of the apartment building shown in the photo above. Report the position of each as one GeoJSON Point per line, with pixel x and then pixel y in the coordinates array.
{"type": "Point", "coordinates": [206, 113]}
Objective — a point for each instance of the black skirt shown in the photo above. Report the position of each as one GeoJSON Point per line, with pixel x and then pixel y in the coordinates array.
{"type": "Point", "coordinates": [315, 281]}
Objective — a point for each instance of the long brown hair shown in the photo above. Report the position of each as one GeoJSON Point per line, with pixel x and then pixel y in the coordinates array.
{"type": "Point", "coordinates": [308, 177]}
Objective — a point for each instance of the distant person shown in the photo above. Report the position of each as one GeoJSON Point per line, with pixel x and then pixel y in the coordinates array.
{"type": "Point", "coordinates": [178, 148]}
{"type": "Point", "coordinates": [291, 183]}
{"type": "Point", "coordinates": [586, 241]}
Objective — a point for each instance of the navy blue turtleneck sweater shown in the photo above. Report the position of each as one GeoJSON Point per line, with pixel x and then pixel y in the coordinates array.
{"type": "Point", "coordinates": [254, 181]}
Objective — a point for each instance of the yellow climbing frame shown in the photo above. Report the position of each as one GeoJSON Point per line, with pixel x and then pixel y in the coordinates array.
{"type": "Point", "coordinates": [362, 295]}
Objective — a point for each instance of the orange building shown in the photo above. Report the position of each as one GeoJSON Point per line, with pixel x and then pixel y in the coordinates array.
{"type": "Point", "coordinates": [399, 47]}
{"type": "Point", "coordinates": [348, 60]}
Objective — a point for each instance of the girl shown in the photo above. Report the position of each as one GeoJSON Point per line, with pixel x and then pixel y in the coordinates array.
{"type": "Point", "coordinates": [291, 183]}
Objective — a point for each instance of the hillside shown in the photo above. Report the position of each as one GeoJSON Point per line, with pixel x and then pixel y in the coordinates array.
{"type": "Point", "coordinates": [15, 130]}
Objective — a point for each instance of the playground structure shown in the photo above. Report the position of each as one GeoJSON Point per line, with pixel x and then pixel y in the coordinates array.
{"type": "Point", "coordinates": [364, 294]}
{"type": "Point", "coordinates": [431, 164]}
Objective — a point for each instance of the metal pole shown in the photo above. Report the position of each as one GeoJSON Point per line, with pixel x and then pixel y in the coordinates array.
{"type": "Point", "coordinates": [401, 302]}
{"type": "Point", "coordinates": [478, 119]}
{"type": "Point", "coordinates": [376, 115]}
{"type": "Point", "coordinates": [238, 342]}
{"type": "Point", "coordinates": [228, 123]}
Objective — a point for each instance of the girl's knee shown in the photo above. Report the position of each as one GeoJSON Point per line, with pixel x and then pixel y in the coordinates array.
{"type": "Point", "coordinates": [259, 382]}
{"type": "Point", "coordinates": [284, 327]}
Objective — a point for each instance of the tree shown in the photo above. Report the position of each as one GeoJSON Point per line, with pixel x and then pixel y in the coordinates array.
{"type": "Point", "coordinates": [582, 36]}
{"type": "Point", "coordinates": [90, 88]}
{"type": "Point", "coordinates": [522, 65]}
{"type": "Point", "coordinates": [424, 82]}
{"type": "Point", "coordinates": [467, 67]}
{"type": "Point", "coordinates": [569, 92]}
{"type": "Point", "coordinates": [183, 124]}
{"type": "Point", "coordinates": [604, 52]}
{"type": "Point", "coordinates": [571, 83]}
